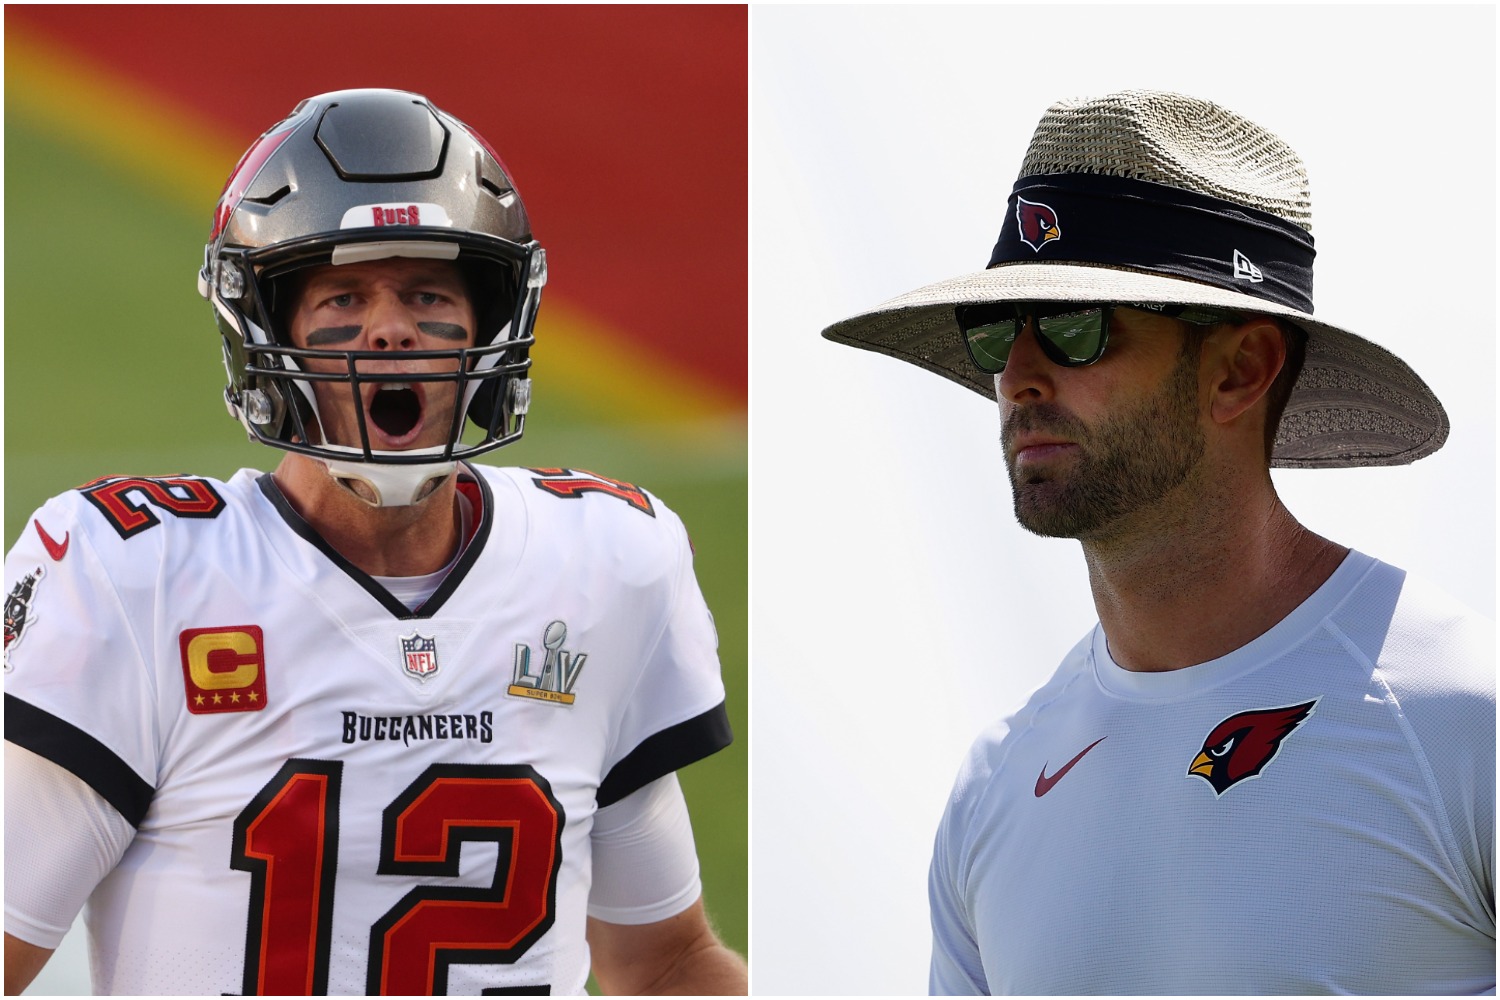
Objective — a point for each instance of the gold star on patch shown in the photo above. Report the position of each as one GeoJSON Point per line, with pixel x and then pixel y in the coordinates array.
{"type": "Point", "coordinates": [235, 697]}
{"type": "Point", "coordinates": [198, 699]}
{"type": "Point", "coordinates": [217, 699]}
{"type": "Point", "coordinates": [254, 696]}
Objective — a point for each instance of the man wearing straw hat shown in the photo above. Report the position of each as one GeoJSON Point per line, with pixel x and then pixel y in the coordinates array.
{"type": "Point", "coordinates": [1270, 768]}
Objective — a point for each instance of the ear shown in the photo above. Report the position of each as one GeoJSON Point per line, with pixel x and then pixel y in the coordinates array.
{"type": "Point", "coordinates": [1244, 361]}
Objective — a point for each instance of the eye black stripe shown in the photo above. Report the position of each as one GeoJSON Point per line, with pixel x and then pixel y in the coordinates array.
{"type": "Point", "coordinates": [332, 335]}
{"type": "Point", "coordinates": [445, 331]}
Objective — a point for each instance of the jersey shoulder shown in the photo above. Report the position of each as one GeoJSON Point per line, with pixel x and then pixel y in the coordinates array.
{"type": "Point", "coordinates": [1431, 662]}
{"type": "Point", "coordinates": [579, 493]}
{"type": "Point", "coordinates": [1429, 648]}
{"type": "Point", "coordinates": [114, 513]}
{"type": "Point", "coordinates": [989, 754]}
{"type": "Point", "coordinates": [110, 543]}
{"type": "Point", "coordinates": [574, 510]}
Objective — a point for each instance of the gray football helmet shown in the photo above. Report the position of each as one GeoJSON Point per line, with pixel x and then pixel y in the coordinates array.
{"type": "Point", "coordinates": [361, 175]}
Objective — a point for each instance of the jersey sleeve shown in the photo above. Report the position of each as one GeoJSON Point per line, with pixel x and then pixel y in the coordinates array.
{"type": "Point", "coordinates": [956, 969]}
{"type": "Point", "coordinates": [77, 689]}
{"type": "Point", "coordinates": [645, 861]}
{"type": "Point", "coordinates": [676, 713]}
{"type": "Point", "coordinates": [62, 838]}
{"type": "Point", "coordinates": [1438, 660]}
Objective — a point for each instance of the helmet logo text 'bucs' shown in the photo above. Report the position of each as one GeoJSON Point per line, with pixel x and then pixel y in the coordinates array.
{"type": "Point", "coordinates": [402, 215]}
{"type": "Point", "coordinates": [1037, 222]}
{"type": "Point", "coordinates": [415, 213]}
{"type": "Point", "coordinates": [1242, 745]}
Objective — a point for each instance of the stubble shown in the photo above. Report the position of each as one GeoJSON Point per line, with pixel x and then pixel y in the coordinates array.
{"type": "Point", "coordinates": [1122, 466]}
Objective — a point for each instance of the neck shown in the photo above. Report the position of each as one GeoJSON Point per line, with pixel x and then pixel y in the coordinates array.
{"type": "Point", "coordinates": [382, 541]}
{"type": "Point", "coordinates": [1219, 562]}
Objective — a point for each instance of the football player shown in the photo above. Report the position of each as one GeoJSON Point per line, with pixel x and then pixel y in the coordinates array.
{"type": "Point", "coordinates": [381, 721]}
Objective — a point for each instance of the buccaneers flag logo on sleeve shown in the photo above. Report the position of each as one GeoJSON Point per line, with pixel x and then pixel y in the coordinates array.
{"type": "Point", "coordinates": [18, 613]}
{"type": "Point", "coordinates": [1242, 745]}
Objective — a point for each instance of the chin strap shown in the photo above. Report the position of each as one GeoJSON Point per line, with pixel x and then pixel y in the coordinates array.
{"type": "Point", "coordinates": [393, 485]}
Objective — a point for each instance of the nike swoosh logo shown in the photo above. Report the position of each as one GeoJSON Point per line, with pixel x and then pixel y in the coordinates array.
{"type": "Point", "coordinates": [1044, 784]}
{"type": "Point", "coordinates": [54, 549]}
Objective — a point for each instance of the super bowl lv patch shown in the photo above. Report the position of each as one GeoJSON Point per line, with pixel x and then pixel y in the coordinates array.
{"type": "Point", "coordinates": [559, 669]}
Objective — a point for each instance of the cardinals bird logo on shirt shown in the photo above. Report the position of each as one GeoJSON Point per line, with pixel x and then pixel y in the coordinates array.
{"type": "Point", "coordinates": [1038, 223]}
{"type": "Point", "coordinates": [1242, 745]}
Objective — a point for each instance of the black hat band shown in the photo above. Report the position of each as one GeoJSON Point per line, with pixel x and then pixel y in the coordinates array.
{"type": "Point", "coordinates": [1146, 226]}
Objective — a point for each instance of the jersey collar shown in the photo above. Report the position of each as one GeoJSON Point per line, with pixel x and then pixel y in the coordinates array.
{"type": "Point", "coordinates": [470, 483]}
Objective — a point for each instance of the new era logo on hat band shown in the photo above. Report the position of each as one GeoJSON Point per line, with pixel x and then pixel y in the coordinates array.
{"type": "Point", "coordinates": [1245, 268]}
{"type": "Point", "coordinates": [1152, 227]}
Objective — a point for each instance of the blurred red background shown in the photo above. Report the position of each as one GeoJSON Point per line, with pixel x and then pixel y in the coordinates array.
{"type": "Point", "coordinates": [625, 129]}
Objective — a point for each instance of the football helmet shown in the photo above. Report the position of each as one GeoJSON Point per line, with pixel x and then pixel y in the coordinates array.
{"type": "Point", "coordinates": [361, 175]}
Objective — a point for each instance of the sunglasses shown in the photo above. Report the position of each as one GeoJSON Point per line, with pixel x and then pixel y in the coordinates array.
{"type": "Point", "coordinates": [1071, 333]}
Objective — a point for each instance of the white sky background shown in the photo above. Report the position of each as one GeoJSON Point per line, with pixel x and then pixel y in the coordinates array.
{"type": "Point", "coordinates": [897, 607]}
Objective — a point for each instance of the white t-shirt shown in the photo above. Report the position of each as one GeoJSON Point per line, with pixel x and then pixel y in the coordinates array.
{"type": "Point", "coordinates": [1312, 813]}
{"type": "Point", "coordinates": [332, 792]}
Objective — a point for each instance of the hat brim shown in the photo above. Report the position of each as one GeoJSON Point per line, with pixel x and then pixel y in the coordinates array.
{"type": "Point", "coordinates": [1354, 404]}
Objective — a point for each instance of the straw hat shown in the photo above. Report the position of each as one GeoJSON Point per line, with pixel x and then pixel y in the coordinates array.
{"type": "Point", "coordinates": [1153, 197]}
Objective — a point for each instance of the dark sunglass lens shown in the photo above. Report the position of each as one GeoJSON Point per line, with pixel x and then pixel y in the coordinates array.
{"type": "Point", "coordinates": [990, 344]}
{"type": "Point", "coordinates": [989, 335]}
{"type": "Point", "coordinates": [1078, 335]}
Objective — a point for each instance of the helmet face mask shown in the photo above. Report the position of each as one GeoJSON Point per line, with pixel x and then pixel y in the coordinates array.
{"type": "Point", "coordinates": [360, 176]}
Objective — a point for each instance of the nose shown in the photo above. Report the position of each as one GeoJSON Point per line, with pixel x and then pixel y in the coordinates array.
{"type": "Point", "coordinates": [390, 325]}
{"type": "Point", "coordinates": [1028, 371]}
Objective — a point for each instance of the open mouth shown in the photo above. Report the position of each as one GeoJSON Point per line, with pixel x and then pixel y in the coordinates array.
{"type": "Point", "coordinates": [396, 411]}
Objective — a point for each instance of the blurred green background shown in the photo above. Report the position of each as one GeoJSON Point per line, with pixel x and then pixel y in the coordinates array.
{"type": "Point", "coordinates": [112, 362]}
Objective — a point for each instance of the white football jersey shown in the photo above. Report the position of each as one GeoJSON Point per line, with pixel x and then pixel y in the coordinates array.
{"type": "Point", "coordinates": [1311, 813]}
{"type": "Point", "coordinates": [333, 793]}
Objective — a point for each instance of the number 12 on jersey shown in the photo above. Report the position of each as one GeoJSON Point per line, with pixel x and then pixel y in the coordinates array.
{"type": "Point", "coordinates": [287, 839]}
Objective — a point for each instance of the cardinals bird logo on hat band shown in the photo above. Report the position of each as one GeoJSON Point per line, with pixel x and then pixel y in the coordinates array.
{"type": "Point", "coordinates": [1037, 222]}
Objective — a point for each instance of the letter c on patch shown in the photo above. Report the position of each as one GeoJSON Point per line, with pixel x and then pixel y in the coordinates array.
{"type": "Point", "coordinates": [221, 660]}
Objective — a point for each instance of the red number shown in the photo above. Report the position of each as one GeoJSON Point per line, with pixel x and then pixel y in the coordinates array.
{"type": "Point", "coordinates": [581, 482]}
{"type": "Point", "coordinates": [287, 838]}
{"type": "Point", "coordinates": [183, 496]}
{"type": "Point", "coordinates": [412, 946]}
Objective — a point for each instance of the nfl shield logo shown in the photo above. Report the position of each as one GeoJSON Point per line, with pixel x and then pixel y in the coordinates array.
{"type": "Point", "coordinates": [420, 654]}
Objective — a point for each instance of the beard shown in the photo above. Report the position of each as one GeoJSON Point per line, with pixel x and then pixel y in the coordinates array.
{"type": "Point", "coordinates": [1125, 464]}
